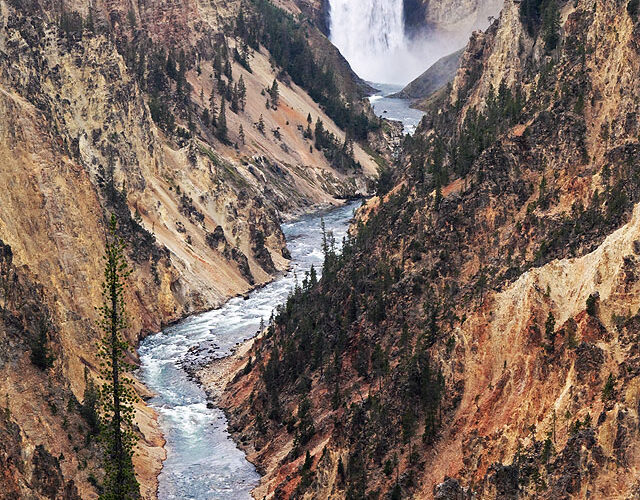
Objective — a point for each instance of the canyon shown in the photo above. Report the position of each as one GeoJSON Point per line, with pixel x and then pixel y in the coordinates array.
{"type": "Point", "coordinates": [85, 134]}
{"type": "Point", "coordinates": [477, 336]}
{"type": "Point", "coordinates": [474, 334]}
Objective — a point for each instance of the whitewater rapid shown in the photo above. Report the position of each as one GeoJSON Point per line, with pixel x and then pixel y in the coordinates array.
{"type": "Point", "coordinates": [203, 463]}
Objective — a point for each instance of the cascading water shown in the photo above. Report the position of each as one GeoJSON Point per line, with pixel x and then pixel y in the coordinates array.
{"type": "Point", "coordinates": [203, 463]}
{"type": "Point", "coordinates": [370, 35]}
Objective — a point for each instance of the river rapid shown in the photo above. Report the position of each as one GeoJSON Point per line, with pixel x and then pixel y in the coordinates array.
{"type": "Point", "coordinates": [202, 460]}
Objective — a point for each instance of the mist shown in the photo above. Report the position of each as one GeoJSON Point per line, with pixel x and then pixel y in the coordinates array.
{"type": "Point", "coordinates": [370, 34]}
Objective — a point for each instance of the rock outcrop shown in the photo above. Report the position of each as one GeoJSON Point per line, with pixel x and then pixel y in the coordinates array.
{"type": "Point", "coordinates": [432, 80]}
{"type": "Point", "coordinates": [449, 15]}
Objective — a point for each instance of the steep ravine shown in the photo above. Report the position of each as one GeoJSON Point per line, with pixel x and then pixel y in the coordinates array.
{"type": "Point", "coordinates": [82, 137]}
{"type": "Point", "coordinates": [478, 337]}
{"type": "Point", "coordinates": [203, 461]}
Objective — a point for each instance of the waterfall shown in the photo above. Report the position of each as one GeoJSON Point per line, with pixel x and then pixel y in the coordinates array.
{"type": "Point", "coordinates": [370, 35]}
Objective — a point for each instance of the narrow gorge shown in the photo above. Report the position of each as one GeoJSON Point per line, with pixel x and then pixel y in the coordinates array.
{"type": "Point", "coordinates": [202, 460]}
{"type": "Point", "coordinates": [319, 249]}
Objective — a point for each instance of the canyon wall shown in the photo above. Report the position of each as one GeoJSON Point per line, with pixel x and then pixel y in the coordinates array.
{"type": "Point", "coordinates": [83, 136]}
{"type": "Point", "coordinates": [477, 337]}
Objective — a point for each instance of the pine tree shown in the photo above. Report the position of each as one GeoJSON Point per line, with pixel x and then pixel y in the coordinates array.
{"type": "Point", "coordinates": [608, 391]}
{"type": "Point", "coordinates": [89, 24]}
{"type": "Point", "coordinates": [551, 26]}
{"type": "Point", "coordinates": [206, 119]}
{"type": "Point", "coordinates": [222, 122]}
{"type": "Point", "coordinates": [550, 331]}
{"type": "Point", "coordinates": [260, 124]}
{"type": "Point", "coordinates": [170, 67]}
{"type": "Point", "coordinates": [319, 135]}
{"type": "Point", "coordinates": [222, 87]}
{"type": "Point", "coordinates": [212, 105]}
{"type": "Point", "coordinates": [8, 276]}
{"type": "Point", "coordinates": [274, 92]}
{"type": "Point", "coordinates": [241, 134]}
{"type": "Point", "coordinates": [308, 133]}
{"type": "Point", "coordinates": [229, 92]}
{"type": "Point", "coordinates": [242, 93]}
{"type": "Point", "coordinates": [41, 355]}
{"type": "Point", "coordinates": [116, 393]}
{"type": "Point", "coordinates": [217, 66]}
{"type": "Point", "coordinates": [235, 95]}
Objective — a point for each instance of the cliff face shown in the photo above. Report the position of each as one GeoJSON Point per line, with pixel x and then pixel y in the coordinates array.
{"type": "Point", "coordinates": [477, 336]}
{"type": "Point", "coordinates": [437, 76]}
{"type": "Point", "coordinates": [449, 15]}
{"type": "Point", "coordinates": [91, 126]}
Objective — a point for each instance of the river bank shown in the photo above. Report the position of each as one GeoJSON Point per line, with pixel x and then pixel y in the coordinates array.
{"type": "Point", "coordinates": [202, 461]}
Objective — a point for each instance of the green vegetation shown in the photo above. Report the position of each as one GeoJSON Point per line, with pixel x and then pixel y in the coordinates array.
{"type": "Point", "coordinates": [260, 125]}
{"type": "Point", "coordinates": [542, 17]}
{"type": "Point", "coordinates": [435, 161]}
{"type": "Point", "coordinates": [274, 93]}
{"type": "Point", "coordinates": [592, 305]}
{"type": "Point", "coordinates": [547, 449]}
{"type": "Point", "coordinates": [342, 331]}
{"type": "Point", "coordinates": [286, 41]}
{"type": "Point", "coordinates": [550, 331]}
{"type": "Point", "coordinates": [384, 182]}
{"type": "Point", "coordinates": [340, 156]}
{"type": "Point", "coordinates": [22, 303]}
{"type": "Point", "coordinates": [480, 130]}
{"type": "Point", "coordinates": [116, 393]}
{"type": "Point", "coordinates": [161, 113]}
{"type": "Point", "coordinates": [8, 276]}
{"type": "Point", "coordinates": [71, 23]}
{"type": "Point", "coordinates": [222, 123]}
{"type": "Point", "coordinates": [608, 391]}
{"type": "Point", "coordinates": [41, 355]}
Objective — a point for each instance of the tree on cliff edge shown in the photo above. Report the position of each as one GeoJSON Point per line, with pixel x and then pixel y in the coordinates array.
{"type": "Point", "coordinates": [116, 394]}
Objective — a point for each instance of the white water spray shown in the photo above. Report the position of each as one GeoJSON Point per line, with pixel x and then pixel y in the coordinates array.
{"type": "Point", "coordinates": [370, 34]}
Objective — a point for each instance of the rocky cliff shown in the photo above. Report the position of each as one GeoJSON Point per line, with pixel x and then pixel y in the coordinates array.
{"type": "Point", "coordinates": [476, 337]}
{"type": "Point", "coordinates": [107, 108]}
{"type": "Point", "coordinates": [449, 15]}
{"type": "Point", "coordinates": [437, 76]}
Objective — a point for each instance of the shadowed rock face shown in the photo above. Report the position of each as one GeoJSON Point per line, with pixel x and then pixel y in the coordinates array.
{"type": "Point", "coordinates": [415, 16]}
{"type": "Point", "coordinates": [28, 471]}
{"type": "Point", "coordinates": [438, 75]}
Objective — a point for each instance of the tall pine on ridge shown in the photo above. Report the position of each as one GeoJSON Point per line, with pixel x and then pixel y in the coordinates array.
{"type": "Point", "coordinates": [116, 395]}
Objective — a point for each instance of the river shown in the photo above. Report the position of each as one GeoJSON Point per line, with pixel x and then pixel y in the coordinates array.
{"type": "Point", "coordinates": [202, 460]}
{"type": "Point", "coordinates": [394, 108]}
